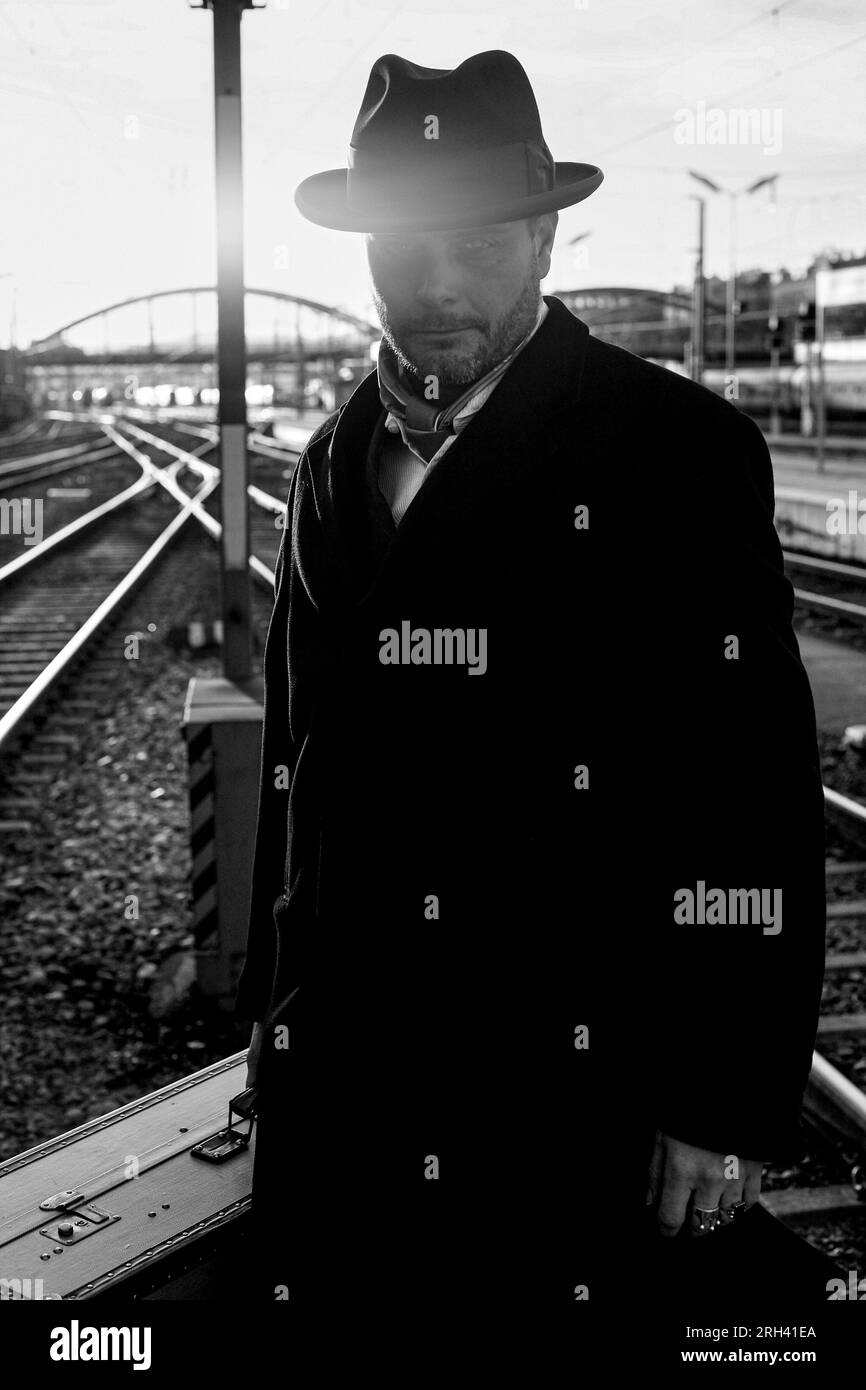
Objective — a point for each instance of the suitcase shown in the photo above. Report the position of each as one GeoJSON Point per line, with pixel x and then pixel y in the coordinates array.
{"type": "Point", "coordinates": [150, 1201]}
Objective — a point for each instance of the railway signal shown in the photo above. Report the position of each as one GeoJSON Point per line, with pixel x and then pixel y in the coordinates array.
{"type": "Point", "coordinates": [806, 321]}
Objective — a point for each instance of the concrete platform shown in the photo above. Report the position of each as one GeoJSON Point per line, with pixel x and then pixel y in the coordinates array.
{"type": "Point", "coordinates": [798, 469]}
{"type": "Point", "coordinates": [833, 443]}
{"type": "Point", "coordinates": [838, 678]}
{"type": "Point", "coordinates": [805, 521]}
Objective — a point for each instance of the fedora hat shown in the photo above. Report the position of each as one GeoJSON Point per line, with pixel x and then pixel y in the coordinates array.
{"type": "Point", "coordinates": [438, 148]}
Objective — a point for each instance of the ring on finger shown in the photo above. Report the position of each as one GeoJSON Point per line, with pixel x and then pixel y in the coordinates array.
{"type": "Point", "coordinates": [734, 1211]}
{"type": "Point", "coordinates": [707, 1218]}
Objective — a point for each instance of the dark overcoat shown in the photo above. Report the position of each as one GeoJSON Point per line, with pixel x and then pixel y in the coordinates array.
{"type": "Point", "coordinates": [466, 881]}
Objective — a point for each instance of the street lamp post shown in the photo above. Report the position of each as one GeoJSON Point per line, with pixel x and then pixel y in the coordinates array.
{"type": "Point", "coordinates": [699, 316]}
{"type": "Point", "coordinates": [731, 296]}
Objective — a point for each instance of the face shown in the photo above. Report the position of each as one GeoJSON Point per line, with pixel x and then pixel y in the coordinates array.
{"type": "Point", "coordinates": [454, 304]}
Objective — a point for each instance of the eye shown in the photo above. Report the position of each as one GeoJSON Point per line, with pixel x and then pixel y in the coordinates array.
{"type": "Point", "coordinates": [395, 248]}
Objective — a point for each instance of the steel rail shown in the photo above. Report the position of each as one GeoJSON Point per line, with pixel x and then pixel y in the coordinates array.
{"type": "Point", "coordinates": [829, 1086]}
{"type": "Point", "coordinates": [74, 528]}
{"type": "Point", "coordinates": [273, 448]}
{"type": "Point", "coordinates": [26, 476]}
{"type": "Point", "coordinates": [832, 605]}
{"type": "Point", "coordinates": [261, 572]}
{"type": "Point", "coordinates": [151, 476]}
{"type": "Point", "coordinates": [72, 453]}
{"type": "Point", "coordinates": [830, 1095]}
{"type": "Point", "coordinates": [167, 477]}
{"type": "Point", "coordinates": [855, 809]}
{"type": "Point", "coordinates": [259, 443]}
{"type": "Point", "coordinates": [18, 433]}
{"type": "Point", "coordinates": [266, 500]}
{"type": "Point", "coordinates": [12, 720]}
{"type": "Point", "coordinates": [816, 562]}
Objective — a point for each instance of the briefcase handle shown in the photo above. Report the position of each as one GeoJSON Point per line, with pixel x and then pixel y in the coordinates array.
{"type": "Point", "coordinates": [229, 1141]}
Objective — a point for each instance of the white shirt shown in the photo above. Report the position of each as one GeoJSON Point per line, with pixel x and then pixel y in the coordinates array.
{"type": "Point", "coordinates": [402, 470]}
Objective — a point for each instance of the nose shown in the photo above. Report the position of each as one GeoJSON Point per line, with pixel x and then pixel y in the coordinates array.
{"type": "Point", "coordinates": [437, 283]}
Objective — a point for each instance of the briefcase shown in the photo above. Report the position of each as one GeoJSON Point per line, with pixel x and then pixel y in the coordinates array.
{"type": "Point", "coordinates": [150, 1201]}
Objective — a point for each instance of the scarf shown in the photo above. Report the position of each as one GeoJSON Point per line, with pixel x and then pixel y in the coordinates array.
{"type": "Point", "coordinates": [424, 424]}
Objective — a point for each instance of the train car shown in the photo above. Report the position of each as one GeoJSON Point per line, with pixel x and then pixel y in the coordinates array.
{"type": "Point", "coordinates": [794, 389]}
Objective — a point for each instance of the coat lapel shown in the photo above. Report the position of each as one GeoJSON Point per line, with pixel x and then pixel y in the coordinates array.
{"type": "Point", "coordinates": [498, 449]}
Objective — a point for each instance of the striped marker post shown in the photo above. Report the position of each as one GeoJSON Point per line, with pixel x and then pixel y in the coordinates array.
{"type": "Point", "coordinates": [223, 726]}
{"type": "Point", "coordinates": [202, 824]}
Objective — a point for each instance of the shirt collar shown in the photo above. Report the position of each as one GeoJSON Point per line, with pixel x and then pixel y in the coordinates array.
{"type": "Point", "coordinates": [457, 416]}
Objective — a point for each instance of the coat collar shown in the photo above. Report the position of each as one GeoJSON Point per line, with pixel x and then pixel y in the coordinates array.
{"type": "Point", "coordinates": [498, 446]}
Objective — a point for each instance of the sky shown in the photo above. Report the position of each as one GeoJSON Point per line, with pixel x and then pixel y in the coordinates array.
{"type": "Point", "coordinates": [106, 137]}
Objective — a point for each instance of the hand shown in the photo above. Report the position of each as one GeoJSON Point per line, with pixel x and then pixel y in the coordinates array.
{"type": "Point", "coordinates": [253, 1054]}
{"type": "Point", "coordinates": [681, 1174]}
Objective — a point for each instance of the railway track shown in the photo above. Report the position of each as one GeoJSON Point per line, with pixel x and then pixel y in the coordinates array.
{"type": "Point", "coordinates": [23, 453]}
{"type": "Point", "coordinates": [834, 1106]}
{"type": "Point", "coordinates": [59, 598]}
{"type": "Point", "coordinates": [42, 435]}
{"type": "Point", "coordinates": [19, 471]}
{"type": "Point", "coordinates": [70, 492]}
{"type": "Point", "coordinates": [60, 595]}
{"type": "Point", "coordinates": [842, 586]}
{"type": "Point", "coordinates": [267, 508]}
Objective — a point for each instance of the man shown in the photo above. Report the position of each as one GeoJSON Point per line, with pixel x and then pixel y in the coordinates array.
{"type": "Point", "coordinates": [541, 820]}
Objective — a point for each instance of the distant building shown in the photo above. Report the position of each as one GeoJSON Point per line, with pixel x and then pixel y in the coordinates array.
{"type": "Point", "coordinates": [772, 310]}
{"type": "Point", "coordinates": [14, 404]}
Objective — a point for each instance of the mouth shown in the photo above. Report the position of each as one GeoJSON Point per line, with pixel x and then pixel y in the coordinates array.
{"type": "Point", "coordinates": [442, 332]}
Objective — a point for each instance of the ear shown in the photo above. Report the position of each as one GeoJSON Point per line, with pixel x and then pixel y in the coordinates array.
{"type": "Point", "coordinates": [545, 233]}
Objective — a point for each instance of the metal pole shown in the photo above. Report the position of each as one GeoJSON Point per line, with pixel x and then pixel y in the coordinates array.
{"type": "Point", "coordinates": [231, 351]}
{"type": "Point", "coordinates": [730, 349]}
{"type": "Point", "coordinates": [775, 418]}
{"type": "Point", "coordinates": [775, 356]}
{"type": "Point", "coordinates": [820, 413]}
{"type": "Point", "coordinates": [699, 301]}
{"type": "Point", "coordinates": [300, 371]}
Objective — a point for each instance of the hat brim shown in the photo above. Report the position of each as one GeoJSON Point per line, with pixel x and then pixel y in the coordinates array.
{"type": "Point", "coordinates": [321, 198]}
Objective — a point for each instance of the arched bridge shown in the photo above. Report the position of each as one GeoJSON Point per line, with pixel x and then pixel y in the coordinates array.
{"type": "Point", "coordinates": [180, 326]}
{"type": "Point", "coordinates": [160, 348]}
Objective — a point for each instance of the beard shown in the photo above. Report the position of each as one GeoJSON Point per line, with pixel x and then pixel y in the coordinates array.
{"type": "Point", "coordinates": [459, 368]}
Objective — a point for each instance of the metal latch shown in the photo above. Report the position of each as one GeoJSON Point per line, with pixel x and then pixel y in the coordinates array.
{"type": "Point", "coordinates": [74, 1226]}
{"type": "Point", "coordinates": [228, 1141]}
{"type": "Point", "coordinates": [67, 1198]}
